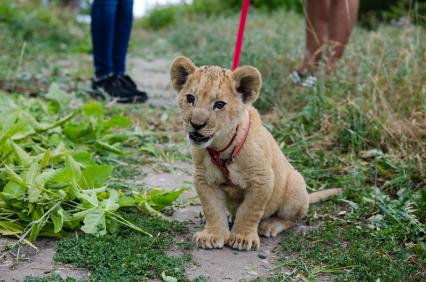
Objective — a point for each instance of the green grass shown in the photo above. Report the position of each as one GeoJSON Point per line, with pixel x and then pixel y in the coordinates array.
{"type": "Point", "coordinates": [128, 256]}
{"type": "Point", "coordinates": [352, 254]}
{"type": "Point", "coordinates": [33, 40]}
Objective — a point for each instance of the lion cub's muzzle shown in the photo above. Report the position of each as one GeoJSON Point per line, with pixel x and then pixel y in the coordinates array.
{"type": "Point", "coordinates": [198, 138]}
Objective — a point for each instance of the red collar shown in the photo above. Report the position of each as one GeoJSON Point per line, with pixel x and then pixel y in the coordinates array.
{"type": "Point", "coordinates": [241, 136]}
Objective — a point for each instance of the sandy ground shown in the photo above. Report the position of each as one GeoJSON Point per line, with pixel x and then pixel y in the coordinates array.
{"type": "Point", "coordinates": [33, 262]}
{"type": "Point", "coordinates": [218, 265]}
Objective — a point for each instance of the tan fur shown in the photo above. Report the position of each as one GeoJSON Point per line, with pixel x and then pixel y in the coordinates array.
{"type": "Point", "coordinates": [270, 195]}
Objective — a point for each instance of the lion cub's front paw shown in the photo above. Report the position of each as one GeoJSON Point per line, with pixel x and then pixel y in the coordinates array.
{"type": "Point", "coordinates": [210, 240]}
{"type": "Point", "coordinates": [244, 242]}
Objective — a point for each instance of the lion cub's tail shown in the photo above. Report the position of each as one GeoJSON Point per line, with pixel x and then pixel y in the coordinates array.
{"type": "Point", "coordinates": [316, 197]}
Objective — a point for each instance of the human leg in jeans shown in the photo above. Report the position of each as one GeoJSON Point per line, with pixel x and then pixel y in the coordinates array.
{"type": "Point", "coordinates": [110, 27]}
{"type": "Point", "coordinates": [123, 28]}
{"type": "Point", "coordinates": [103, 30]}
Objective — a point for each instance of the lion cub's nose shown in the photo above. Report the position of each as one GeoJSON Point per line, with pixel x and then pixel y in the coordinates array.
{"type": "Point", "coordinates": [197, 126]}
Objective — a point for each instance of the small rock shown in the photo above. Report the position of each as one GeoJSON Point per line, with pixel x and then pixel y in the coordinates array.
{"type": "Point", "coordinates": [370, 153]}
{"type": "Point", "coordinates": [262, 255]}
{"type": "Point", "coordinates": [252, 273]}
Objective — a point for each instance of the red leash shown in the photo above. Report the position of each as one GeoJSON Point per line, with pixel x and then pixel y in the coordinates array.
{"type": "Point", "coordinates": [240, 35]}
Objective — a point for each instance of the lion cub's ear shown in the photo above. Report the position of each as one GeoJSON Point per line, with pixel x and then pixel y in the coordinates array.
{"type": "Point", "coordinates": [248, 81]}
{"type": "Point", "coordinates": [180, 69]}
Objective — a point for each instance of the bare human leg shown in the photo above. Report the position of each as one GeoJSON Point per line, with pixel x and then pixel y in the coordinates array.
{"type": "Point", "coordinates": [317, 17]}
{"type": "Point", "coordinates": [342, 19]}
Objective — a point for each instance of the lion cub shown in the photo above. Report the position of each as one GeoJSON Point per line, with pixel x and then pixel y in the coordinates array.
{"type": "Point", "coordinates": [238, 165]}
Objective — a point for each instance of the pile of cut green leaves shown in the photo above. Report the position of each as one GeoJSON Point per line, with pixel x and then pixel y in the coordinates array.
{"type": "Point", "coordinates": [52, 179]}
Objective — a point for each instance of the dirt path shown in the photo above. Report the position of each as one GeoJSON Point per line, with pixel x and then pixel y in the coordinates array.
{"type": "Point", "coordinates": [33, 262]}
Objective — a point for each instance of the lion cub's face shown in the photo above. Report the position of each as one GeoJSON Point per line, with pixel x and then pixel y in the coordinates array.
{"type": "Point", "coordinates": [212, 99]}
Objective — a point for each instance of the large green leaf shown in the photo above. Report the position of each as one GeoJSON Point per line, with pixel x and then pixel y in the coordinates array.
{"type": "Point", "coordinates": [58, 175]}
{"type": "Point", "coordinates": [95, 176]}
{"type": "Point", "coordinates": [94, 222]}
{"type": "Point", "coordinates": [160, 199]}
{"type": "Point", "coordinates": [34, 182]}
{"type": "Point", "coordinates": [6, 103]}
{"type": "Point", "coordinates": [111, 204]}
{"type": "Point", "coordinates": [79, 216]}
{"type": "Point", "coordinates": [10, 228]}
{"type": "Point", "coordinates": [9, 118]}
{"type": "Point", "coordinates": [78, 131]}
{"type": "Point", "coordinates": [57, 217]}
{"type": "Point", "coordinates": [84, 158]}
{"type": "Point", "coordinates": [50, 175]}
{"type": "Point", "coordinates": [60, 98]}
{"type": "Point", "coordinates": [73, 167]}
{"type": "Point", "coordinates": [90, 196]}
{"type": "Point", "coordinates": [23, 157]}
{"type": "Point", "coordinates": [12, 190]}
{"type": "Point", "coordinates": [39, 220]}
{"type": "Point", "coordinates": [24, 115]}
{"type": "Point", "coordinates": [13, 176]}
{"type": "Point", "coordinates": [59, 151]}
{"type": "Point", "coordinates": [45, 158]}
{"type": "Point", "coordinates": [7, 133]}
{"type": "Point", "coordinates": [93, 109]}
{"type": "Point", "coordinates": [127, 201]}
{"type": "Point", "coordinates": [118, 121]}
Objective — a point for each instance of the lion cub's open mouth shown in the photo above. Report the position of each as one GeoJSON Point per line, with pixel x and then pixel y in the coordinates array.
{"type": "Point", "coordinates": [199, 138]}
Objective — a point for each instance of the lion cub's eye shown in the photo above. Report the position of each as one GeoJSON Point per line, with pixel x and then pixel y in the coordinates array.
{"type": "Point", "coordinates": [190, 99]}
{"type": "Point", "coordinates": [219, 105]}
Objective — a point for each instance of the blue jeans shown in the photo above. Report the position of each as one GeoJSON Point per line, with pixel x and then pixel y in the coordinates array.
{"type": "Point", "coordinates": [110, 27]}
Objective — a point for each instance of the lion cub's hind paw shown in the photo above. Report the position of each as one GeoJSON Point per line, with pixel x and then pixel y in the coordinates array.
{"type": "Point", "coordinates": [206, 240]}
{"type": "Point", "coordinates": [244, 242]}
{"type": "Point", "coordinates": [271, 227]}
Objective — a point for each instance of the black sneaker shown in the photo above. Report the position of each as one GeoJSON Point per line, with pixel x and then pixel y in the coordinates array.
{"type": "Point", "coordinates": [115, 89]}
{"type": "Point", "coordinates": [128, 82]}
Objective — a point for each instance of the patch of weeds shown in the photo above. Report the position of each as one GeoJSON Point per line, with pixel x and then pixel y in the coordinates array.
{"type": "Point", "coordinates": [127, 171]}
{"type": "Point", "coordinates": [128, 256]}
{"type": "Point", "coordinates": [353, 253]}
{"type": "Point", "coordinates": [201, 278]}
{"type": "Point", "coordinates": [357, 132]}
{"type": "Point", "coordinates": [379, 231]}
